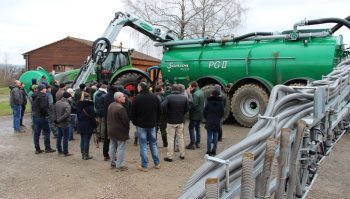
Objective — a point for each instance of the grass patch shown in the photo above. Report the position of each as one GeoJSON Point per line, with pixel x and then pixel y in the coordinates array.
{"type": "Point", "coordinates": [4, 91]}
{"type": "Point", "coordinates": [5, 108]}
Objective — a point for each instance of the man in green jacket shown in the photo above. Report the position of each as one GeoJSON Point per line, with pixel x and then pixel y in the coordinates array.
{"type": "Point", "coordinates": [195, 113]}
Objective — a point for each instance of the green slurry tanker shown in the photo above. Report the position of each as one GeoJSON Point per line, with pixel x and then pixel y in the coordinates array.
{"type": "Point", "coordinates": [246, 67]}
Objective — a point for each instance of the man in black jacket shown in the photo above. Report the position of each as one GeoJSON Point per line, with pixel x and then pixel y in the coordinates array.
{"type": "Point", "coordinates": [145, 113]}
{"type": "Point", "coordinates": [108, 99]}
{"type": "Point", "coordinates": [176, 106]}
{"type": "Point", "coordinates": [40, 119]}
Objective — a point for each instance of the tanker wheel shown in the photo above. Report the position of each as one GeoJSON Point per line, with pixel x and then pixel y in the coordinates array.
{"type": "Point", "coordinates": [129, 82]}
{"type": "Point", "coordinates": [298, 83]}
{"type": "Point", "coordinates": [247, 103]}
{"type": "Point", "coordinates": [208, 89]}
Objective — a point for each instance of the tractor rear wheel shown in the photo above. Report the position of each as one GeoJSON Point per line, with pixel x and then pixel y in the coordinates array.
{"type": "Point", "coordinates": [129, 81]}
{"type": "Point", "coordinates": [208, 89]}
{"type": "Point", "coordinates": [247, 103]}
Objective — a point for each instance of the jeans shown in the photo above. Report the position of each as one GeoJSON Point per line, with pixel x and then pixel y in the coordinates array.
{"type": "Point", "coordinates": [85, 142]}
{"type": "Point", "coordinates": [149, 134]}
{"type": "Point", "coordinates": [195, 125]}
{"type": "Point", "coordinates": [102, 127]}
{"type": "Point", "coordinates": [41, 124]}
{"type": "Point", "coordinates": [62, 132]}
{"type": "Point", "coordinates": [52, 124]}
{"type": "Point", "coordinates": [212, 134]}
{"type": "Point", "coordinates": [72, 126]}
{"type": "Point", "coordinates": [120, 152]}
{"type": "Point", "coordinates": [22, 114]}
{"type": "Point", "coordinates": [16, 110]}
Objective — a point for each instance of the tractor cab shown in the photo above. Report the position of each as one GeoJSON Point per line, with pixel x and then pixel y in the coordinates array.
{"type": "Point", "coordinates": [116, 59]}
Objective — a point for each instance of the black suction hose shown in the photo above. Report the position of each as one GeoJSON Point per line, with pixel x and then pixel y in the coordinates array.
{"type": "Point", "coordinates": [338, 26]}
{"type": "Point", "coordinates": [343, 22]}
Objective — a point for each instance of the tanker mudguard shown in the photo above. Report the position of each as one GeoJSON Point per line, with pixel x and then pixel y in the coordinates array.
{"type": "Point", "coordinates": [211, 80]}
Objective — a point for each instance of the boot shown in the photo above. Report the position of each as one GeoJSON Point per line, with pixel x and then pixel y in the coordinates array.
{"type": "Point", "coordinates": [87, 156]}
{"type": "Point", "coordinates": [213, 153]}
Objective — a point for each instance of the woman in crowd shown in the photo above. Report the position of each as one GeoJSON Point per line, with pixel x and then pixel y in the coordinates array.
{"type": "Point", "coordinates": [86, 123]}
{"type": "Point", "coordinates": [213, 113]}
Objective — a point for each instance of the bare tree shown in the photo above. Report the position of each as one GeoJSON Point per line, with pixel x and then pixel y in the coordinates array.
{"type": "Point", "coordinates": [191, 18]}
{"type": "Point", "coordinates": [216, 17]}
{"type": "Point", "coordinates": [8, 72]}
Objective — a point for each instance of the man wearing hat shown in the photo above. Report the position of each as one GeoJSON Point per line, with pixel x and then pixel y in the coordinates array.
{"type": "Point", "coordinates": [40, 119]}
{"type": "Point", "coordinates": [60, 91]}
{"type": "Point", "coordinates": [62, 120]}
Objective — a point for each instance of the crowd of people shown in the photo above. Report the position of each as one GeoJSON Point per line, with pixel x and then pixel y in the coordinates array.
{"type": "Point", "coordinates": [106, 112]}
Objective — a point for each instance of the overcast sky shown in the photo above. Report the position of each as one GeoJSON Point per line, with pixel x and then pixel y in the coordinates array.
{"type": "Point", "coordinates": [29, 24]}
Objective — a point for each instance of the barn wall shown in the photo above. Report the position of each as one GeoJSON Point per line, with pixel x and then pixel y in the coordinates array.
{"type": "Point", "coordinates": [65, 52]}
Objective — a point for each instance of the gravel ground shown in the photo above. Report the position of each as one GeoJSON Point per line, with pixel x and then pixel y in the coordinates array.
{"type": "Point", "coordinates": [26, 175]}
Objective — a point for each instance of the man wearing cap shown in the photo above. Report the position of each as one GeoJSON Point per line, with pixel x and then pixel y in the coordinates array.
{"type": "Point", "coordinates": [60, 91]}
{"type": "Point", "coordinates": [62, 120]}
{"type": "Point", "coordinates": [54, 88]}
{"type": "Point", "coordinates": [40, 118]}
{"type": "Point", "coordinates": [44, 81]}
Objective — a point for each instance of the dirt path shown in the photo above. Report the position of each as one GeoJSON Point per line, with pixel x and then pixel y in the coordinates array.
{"type": "Point", "coordinates": [26, 175]}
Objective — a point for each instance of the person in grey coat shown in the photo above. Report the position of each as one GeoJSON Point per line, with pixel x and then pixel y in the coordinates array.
{"type": "Point", "coordinates": [62, 121]}
{"type": "Point", "coordinates": [16, 101]}
{"type": "Point", "coordinates": [118, 126]}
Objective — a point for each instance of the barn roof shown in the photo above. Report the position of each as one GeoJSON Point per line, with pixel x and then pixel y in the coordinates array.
{"type": "Point", "coordinates": [135, 54]}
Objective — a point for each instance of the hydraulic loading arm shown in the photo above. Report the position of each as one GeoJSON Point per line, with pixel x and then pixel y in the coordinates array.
{"type": "Point", "coordinates": [102, 46]}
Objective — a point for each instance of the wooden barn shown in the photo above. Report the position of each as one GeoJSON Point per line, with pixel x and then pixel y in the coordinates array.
{"type": "Point", "coordinates": [70, 53]}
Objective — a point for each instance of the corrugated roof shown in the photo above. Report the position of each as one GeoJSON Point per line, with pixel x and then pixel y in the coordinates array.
{"type": "Point", "coordinates": [135, 54]}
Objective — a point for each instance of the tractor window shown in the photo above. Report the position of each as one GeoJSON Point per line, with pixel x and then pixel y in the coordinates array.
{"type": "Point", "coordinates": [115, 60]}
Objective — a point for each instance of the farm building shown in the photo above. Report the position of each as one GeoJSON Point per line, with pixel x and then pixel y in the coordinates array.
{"type": "Point", "coordinates": [71, 53]}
